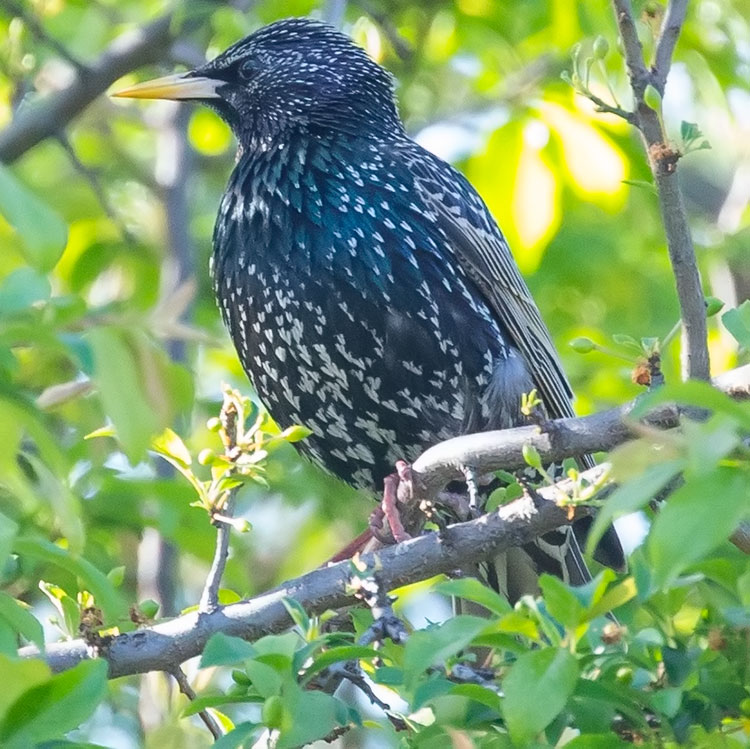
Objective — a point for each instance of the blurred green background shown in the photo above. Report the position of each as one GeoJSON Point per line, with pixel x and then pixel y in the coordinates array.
{"type": "Point", "coordinates": [106, 310]}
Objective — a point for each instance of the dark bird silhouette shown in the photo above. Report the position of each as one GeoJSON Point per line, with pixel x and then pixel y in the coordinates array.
{"type": "Point", "coordinates": [369, 293]}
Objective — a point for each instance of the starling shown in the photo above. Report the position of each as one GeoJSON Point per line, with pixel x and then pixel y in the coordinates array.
{"type": "Point", "coordinates": [369, 293]}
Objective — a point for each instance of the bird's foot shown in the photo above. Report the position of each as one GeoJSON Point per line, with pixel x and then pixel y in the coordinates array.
{"type": "Point", "coordinates": [458, 505]}
{"type": "Point", "coordinates": [472, 485]}
{"type": "Point", "coordinates": [385, 521]}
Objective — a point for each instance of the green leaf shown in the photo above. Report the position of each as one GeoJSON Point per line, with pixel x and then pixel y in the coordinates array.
{"type": "Point", "coordinates": [737, 322]}
{"type": "Point", "coordinates": [338, 654]}
{"type": "Point", "coordinates": [561, 602]}
{"type": "Point", "coordinates": [266, 679]}
{"type": "Point", "coordinates": [531, 456]}
{"type": "Point", "coordinates": [480, 694]}
{"type": "Point", "coordinates": [116, 575]}
{"type": "Point", "coordinates": [19, 676]}
{"type": "Point", "coordinates": [689, 131]}
{"type": "Point", "coordinates": [295, 433]}
{"type": "Point", "coordinates": [169, 443]}
{"type": "Point", "coordinates": [212, 700]}
{"type": "Point", "coordinates": [427, 647]}
{"type": "Point", "coordinates": [41, 229]}
{"type": "Point", "coordinates": [297, 613]}
{"type": "Point", "coordinates": [70, 612]}
{"type": "Point", "coordinates": [597, 741]}
{"type": "Point", "coordinates": [225, 650]}
{"type": "Point", "coordinates": [8, 531]}
{"type": "Point", "coordinates": [50, 709]}
{"type": "Point", "coordinates": [614, 597]}
{"type": "Point", "coordinates": [107, 598]}
{"type": "Point", "coordinates": [666, 701]}
{"type": "Point", "coordinates": [21, 620]}
{"type": "Point", "coordinates": [693, 393]}
{"type": "Point", "coordinates": [471, 589]}
{"type": "Point", "coordinates": [714, 305]}
{"type": "Point", "coordinates": [537, 687]}
{"type": "Point", "coordinates": [20, 289]}
{"type": "Point", "coordinates": [320, 712]}
{"type": "Point", "coordinates": [120, 384]}
{"type": "Point", "coordinates": [652, 97]}
{"type": "Point", "coordinates": [236, 738]}
{"type": "Point", "coordinates": [698, 517]}
{"type": "Point", "coordinates": [632, 496]}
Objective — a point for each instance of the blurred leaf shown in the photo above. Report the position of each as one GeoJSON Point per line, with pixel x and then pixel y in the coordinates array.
{"type": "Point", "coordinates": [471, 589]}
{"type": "Point", "coordinates": [225, 650]}
{"type": "Point", "coordinates": [107, 598]}
{"type": "Point", "coordinates": [67, 607]}
{"type": "Point", "coordinates": [631, 496]}
{"type": "Point", "coordinates": [427, 647]}
{"type": "Point", "coordinates": [320, 711]}
{"type": "Point", "coordinates": [212, 700]}
{"type": "Point", "coordinates": [208, 134]}
{"type": "Point", "coordinates": [537, 686]}
{"type": "Point", "coordinates": [339, 654]}
{"type": "Point", "coordinates": [47, 710]}
{"type": "Point", "coordinates": [697, 517]}
{"type": "Point", "coordinates": [266, 679]}
{"type": "Point", "coordinates": [41, 229]}
{"type": "Point", "coordinates": [591, 741]}
{"type": "Point", "coordinates": [120, 384]}
{"type": "Point", "coordinates": [297, 613]}
{"type": "Point", "coordinates": [8, 531]}
{"type": "Point", "coordinates": [21, 289]}
{"type": "Point", "coordinates": [21, 620]}
{"type": "Point", "coordinates": [171, 444]}
{"type": "Point", "coordinates": [694, 393]}
{"type": "Point", "coordinates": [18, 677]}
{"type": "Point", "coordinates": [737, 322]}
{"type": "Point", "coordinates": [561, 602]}
{"type": "Point", "coordinates": [236, 738]}
{"type": "Point", "coordinates": [614, 597]}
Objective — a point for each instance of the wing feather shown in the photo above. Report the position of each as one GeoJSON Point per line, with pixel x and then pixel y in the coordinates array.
{"type": "Point", "coordinates": [483, 252]}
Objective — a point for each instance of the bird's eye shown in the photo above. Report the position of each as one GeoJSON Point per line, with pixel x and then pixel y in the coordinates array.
{"type": "Point", "coordinates": [248, 69]}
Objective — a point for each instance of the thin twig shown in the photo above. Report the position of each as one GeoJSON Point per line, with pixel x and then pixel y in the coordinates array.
{"type": "Point", "coordinates": [36, 28]}
{"type": "Point", "coordinates": [187, 690]}
{"type": "Point", "coordinates": [603, 106]}
{"type": "Point", "coordinates": [51, 114]}
{"type": "Point", "coordinates": [210, 597]}
{"type": "Point", "coordinates": [668, 36]}
{"type": "Point", "coordinates": [92, 178]}
{"type": "Point", "coordinates": [400, 45]}
{"type": "Point", "coordinates": [663, 161]}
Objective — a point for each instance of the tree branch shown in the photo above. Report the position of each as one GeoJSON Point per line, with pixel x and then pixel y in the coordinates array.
{"type": "Point", "coordinates": [169, 643]}
{"type": "Point", "coordinates": [210, 722]}
{"type": "Point", "coordinates": [49, 116]}
{"type": "Point", "coordinates": [663, 161]}
{"type": "Point", "coordinates": [668, 36]}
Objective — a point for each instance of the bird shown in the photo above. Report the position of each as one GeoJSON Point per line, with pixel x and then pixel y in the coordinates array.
{"type": "Point", "coordinates": [368, 290]}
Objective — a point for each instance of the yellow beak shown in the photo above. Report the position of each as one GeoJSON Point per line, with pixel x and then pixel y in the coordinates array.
{"type": "Point", "coordinates": [173, 87]}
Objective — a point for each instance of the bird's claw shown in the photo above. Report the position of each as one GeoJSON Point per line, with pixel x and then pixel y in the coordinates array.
{"type": "Point", "coordinates": [385, 521]}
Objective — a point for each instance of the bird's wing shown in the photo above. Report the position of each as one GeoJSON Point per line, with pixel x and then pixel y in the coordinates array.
{"type": "Point", "coordinates": [483, 253]}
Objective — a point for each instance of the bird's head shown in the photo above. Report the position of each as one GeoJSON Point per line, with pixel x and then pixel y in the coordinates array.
{"type": "Point", "coordinates": [296, 73]}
